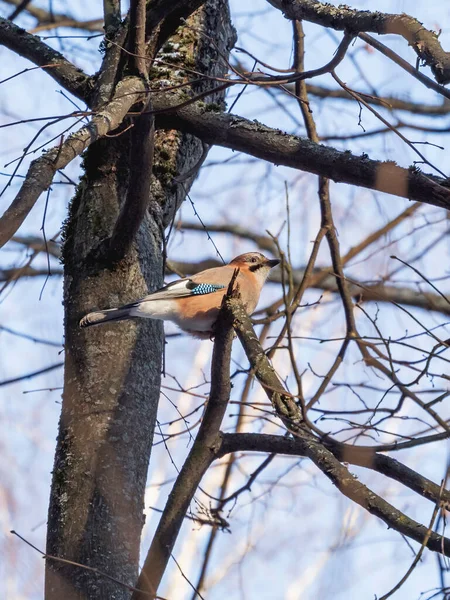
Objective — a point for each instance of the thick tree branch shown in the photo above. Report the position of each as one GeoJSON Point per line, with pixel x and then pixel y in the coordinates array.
{"type": "Point", "coordinates": [425, 43]}
{"type": "Point", "coordinates": [203, 452]}
{"type": "Point", "coordinates": [361, 457]}
{"type": "Point", "coordinates": [231, 131]}
{"type": "Point", "coordinates": [73, 79]}
{"type": "Point", "coordinates": [41, 171]}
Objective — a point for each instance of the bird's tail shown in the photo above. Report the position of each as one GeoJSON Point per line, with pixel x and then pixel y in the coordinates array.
{"type": "Point", "coordinates": [102, 316]}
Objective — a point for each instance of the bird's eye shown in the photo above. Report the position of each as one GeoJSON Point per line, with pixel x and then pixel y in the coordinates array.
{"type": "Point", "coordinates": [253, 259]}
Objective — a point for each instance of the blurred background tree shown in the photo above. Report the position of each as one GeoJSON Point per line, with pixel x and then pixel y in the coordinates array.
{"type": "Point", "coordinates": [147, 140]}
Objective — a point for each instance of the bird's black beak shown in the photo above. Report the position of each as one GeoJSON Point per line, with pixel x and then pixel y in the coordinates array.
{"type": "Point", "coordinates": [272, 263]}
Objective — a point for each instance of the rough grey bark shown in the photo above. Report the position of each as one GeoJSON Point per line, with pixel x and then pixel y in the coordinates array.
{"type": "Point", "coordinates": [112, 373]}
{"type": "Point", "coordinates": [423, 41]}
{"type": "Point", "coordinates": [274, 145]}
{"type": "Point", "coordinates": [179, 155]}
{"type": "Point", "coordinates": [111, 391]}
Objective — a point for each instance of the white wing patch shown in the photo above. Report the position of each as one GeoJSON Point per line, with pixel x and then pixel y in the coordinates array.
{"type": "Point", "coordinates": [177, 289]}
{"type": "Point", "coordinates": [181, 289]}
{"type": "Point", "coordinates": [161, 305]}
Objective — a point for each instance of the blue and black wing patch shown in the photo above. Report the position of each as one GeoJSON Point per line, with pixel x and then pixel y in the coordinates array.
{"type": "Point", "coordinates": [198, 289]}
{"type": "Point", "coordinates": [182, 288]}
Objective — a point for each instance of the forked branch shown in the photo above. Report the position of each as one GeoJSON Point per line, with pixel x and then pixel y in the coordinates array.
{"type": "Point", "coordinates": [313, 448]}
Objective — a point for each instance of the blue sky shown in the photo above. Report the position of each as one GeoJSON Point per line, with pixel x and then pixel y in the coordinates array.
{"type": "Point", "coordinates": [293, 534]}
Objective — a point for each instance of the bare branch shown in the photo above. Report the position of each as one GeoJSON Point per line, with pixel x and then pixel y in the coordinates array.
{"type": "Point", "coordinates": [47, 20]}
{"type": "Point", "coordinates": [137, 36]}
{"type": "Point", "coordinates": [38, 244]}
{"type": "Point", "coordinates": [425, 43]}
{"type": "Point", "coordinates": [389, 102]}
{"type": "Point", "coordinates": [200, 457]}
{"type": "Point", "coordinates": [21, 272]}
{"type": "Point", "coordinates": [361, 457]}
{"type": "Point", "coordinates": [41, 171]}
{"type": "Point", "coordinates": [404, 64]}
{"type": "Point", "coordinates": [362, 292]}
{"type": "Point", "coordinates": [73, 79]}
{"type": "Point", "coordinates": [289, 413]}
{"type": "Point", "coordinates": [21, 6]}
{"type": "Point", "coordinates": [264, 242]}
{"type": "Point", "coordinates": [239, 134]}
{"type": "Point", "coordinates": [31, 375]}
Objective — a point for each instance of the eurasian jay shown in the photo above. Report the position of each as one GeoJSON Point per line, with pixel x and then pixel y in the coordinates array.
{"type": "Point", "coordinates": [193, 303]}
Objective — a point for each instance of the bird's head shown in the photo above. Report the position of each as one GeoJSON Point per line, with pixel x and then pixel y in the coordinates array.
{"type": "Point", "coordinates": [256, 263]}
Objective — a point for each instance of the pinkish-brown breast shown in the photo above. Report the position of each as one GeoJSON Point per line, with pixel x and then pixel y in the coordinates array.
{"type": "Point", "coordinates": [249, 285]}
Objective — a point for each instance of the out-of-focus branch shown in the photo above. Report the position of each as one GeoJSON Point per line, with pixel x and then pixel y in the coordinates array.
{"type": "Point", "coordinates": [382, 130]}
{"type": "Point", "coordinates": [21, 272]}
{"type": "Point", "coordinates": [362, 292]}
{"type": "Point", "coordinates": [20, 7]}
{"type": "Point", "coordinates": [264, 242]}
{"type": "Point", "coordinates": [203, 452]}
{"type": "Point", "coordinates": [47, 20]}
{"type": "Point", "coordinates": [389, 102]}
{"type": "Point", "coordinates": [404, 64]}
{"type": "Point", "coordinates": [425, 43]}
{"type": "Point", "coordinates": [41, 171]}
{"type": "Point", "coordinates": [31, 375]}
{"type": "Point", "coordinates": [361, 457]}
{"type": "Point", "coordinates": [73, 79]}
{"type": "Point", "coordinates": [38, 244]}
{"type": "Point", "coordinates": [89, 25]}
{"type": "Point", "coordinates": [313, 448]}
{"type": "Point", "coordinates": [239, 134]}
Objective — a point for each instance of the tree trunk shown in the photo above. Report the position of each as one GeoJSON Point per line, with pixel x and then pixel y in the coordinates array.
{"type": "Point", "coordinates": [111, 391]}
{"type": "Point", "coordinates": [112, 372]}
